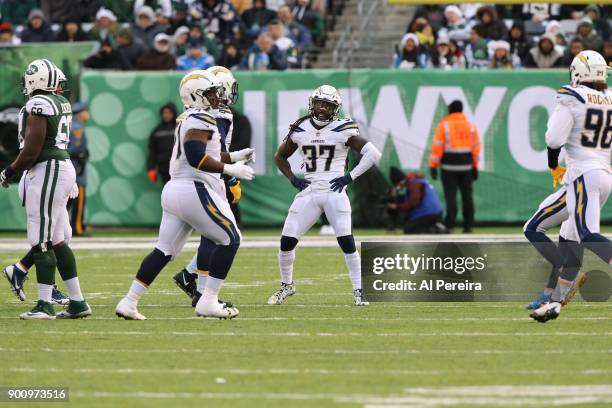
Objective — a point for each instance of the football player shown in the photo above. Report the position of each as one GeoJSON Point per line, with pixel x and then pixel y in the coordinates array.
{"type": "Point", "coordinates": [192, 280]}
{"type": "Point", "coordinates": [323, 140]}
{"type": "Point", "coordinates": [44, 128]}
{"type": "Point", "coordinates": [17, 273]}
{"type": "Point", "coordinates": [191, 200]}
{"type": "Point", "coordinates": [581, 123]}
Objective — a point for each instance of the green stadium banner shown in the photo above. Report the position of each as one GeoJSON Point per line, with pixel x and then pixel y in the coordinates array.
{"type": "Point", "coordinates": [13, 63]}
{"type": "Point", "coordinates": [396, 110]}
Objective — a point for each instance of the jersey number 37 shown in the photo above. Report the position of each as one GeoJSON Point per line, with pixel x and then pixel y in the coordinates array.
{"type": "Point", "coordinates": [596, 133]}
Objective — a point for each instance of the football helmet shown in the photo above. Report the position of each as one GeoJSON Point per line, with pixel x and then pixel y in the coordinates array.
{"type": "Point", "coordinates": [229, 95]}
{"type": "Point", "coordinates": [324, 104]}
{"type": "Point", "coordinates": [41, 75]}
{"type": "Point", "coordinates": [588, 66]}
{"type": "Point", "coordinates": [200, 90]}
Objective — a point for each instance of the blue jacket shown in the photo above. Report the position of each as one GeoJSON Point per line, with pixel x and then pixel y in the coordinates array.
{"type": "Point", "coordinates": [77, 148]}
{"type": "Point", "coordinates": [430, 203]}
{"type": "Point", "coordinates": [256, 60]}
{"type": "Point", "coordinates": [186, 63]}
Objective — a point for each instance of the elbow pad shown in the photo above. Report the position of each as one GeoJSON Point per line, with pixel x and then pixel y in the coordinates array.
{"type": "Point", "coordinates": [553, 157]}
{"type": "Point", "coordinates": [195, 153]}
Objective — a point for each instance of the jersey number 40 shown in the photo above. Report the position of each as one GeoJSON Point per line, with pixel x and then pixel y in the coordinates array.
{"type": "Point", "coordinates": [599, 134]}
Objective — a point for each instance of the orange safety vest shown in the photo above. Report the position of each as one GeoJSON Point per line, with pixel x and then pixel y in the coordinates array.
{"type": "Point", "coordinates": [456, 144]}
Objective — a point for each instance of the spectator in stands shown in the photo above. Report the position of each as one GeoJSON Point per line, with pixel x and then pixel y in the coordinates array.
{"type": "Point", "coordinates": [424, 33]}
{"type": "Point", "coordinates": [544, 55]}
{"type": "Point", "coordinates": [6, 35]}
{"type": "Point", "coordinates": [501, 57]}
{"type": "Point", "coordinates": [58, 11]}
{"type": "Point", "coordinates": [179, 18]}
{"type": "Point", "coordinates": [161, 142]}
{"type": "Point", "coordinates": [297, 32]}
{"type": "Point", "coordinates": [122, 9]}
{"type": "Point", "coordinates": [520, 43]}
{"type": "Point", "coordinates": [165, 6]}
{"type": "Point", "coordinates": [106, 25]}
{"type": "Point", "coordinates": [211, 44]}
{"type": "Point", "coordinates": [601, 25]}
{"type": "Point", "coordinates": [71, 31]}
{"type": "Point", "coordinates": [162, 20]}
{"type": "Point", "coordinates": [257, 18]}
{"type": "Point", "coordinates": [219, 18]}
{"type": "Point", "coordinates": [159, 57]}
{"type": "Point", "coordinates": [489, 26]}
{"type": "Point", "coordinates": [456, 27]}
{"type": "Point", "coordinates": [446, 55]}
{"type": "Point", "coordinates": [16, 12]}
{"type": "Point", "coordinates": [180, 41]}
{"type": "Point", "coordinates": [130, 48]}
{"type": "Point", "coordinates": [277, 31]}
{"type": "Point", "coordinates": [264, 55]}
{"type": "Point", "coordinates": [409, 55]}
{"type": "Point", "coordinates": [553, 27]}
{"type": "Point", "coordinates": [241, 5]}
{"type": "Point", "coordinates": [304, 14]}
{"type": "Point", "coordinates": [106, 58]}
{"type": "Point", "coordinates": [540, 12]}
{"type": "Point", "coordinates": [574, 48]}
{"type": "Point", "coordinates": [231, 56]}
{"type": "Point", "coordinates": [432, 14]}
{"type": "Point", "coordinates": [37, 29]}
{"type": "Point", "coordinates": [145, 27]}
{"type": "Point", "coordinates": [195, 58]}
{"type": "Point", "coordinates": [590, 39]}
{"type": "Point", "coordinates": [476, 52]}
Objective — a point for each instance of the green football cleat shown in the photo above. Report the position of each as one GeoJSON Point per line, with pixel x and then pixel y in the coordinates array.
{"type": "Point", "coordinates": [75, 310]}
{"type": "Point", "coordinates": [41, 311]}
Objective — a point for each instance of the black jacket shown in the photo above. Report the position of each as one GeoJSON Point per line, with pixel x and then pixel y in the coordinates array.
{"type": "Point", "coordinates": [100, 60]}
{"type": "Point", "coordinates": [161, 142]}
{"type": "Point", "coordinates": [43, 34]}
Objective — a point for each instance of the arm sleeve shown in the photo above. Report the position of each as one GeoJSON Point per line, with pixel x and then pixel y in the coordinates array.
{"type": "Point", "coordinates": [437, 146]}
{"type": "Point", "coordinates": [370, 156]}
{"type": "Point", "coordinates": [559, 125]}
{"type": "Point", "coordinates": [475, 146]}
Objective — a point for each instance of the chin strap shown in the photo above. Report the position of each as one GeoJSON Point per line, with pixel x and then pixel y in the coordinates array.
{"type": "Point", "coordinates": [320, 122]}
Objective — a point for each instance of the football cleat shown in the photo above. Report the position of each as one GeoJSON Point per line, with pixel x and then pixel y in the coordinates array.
{"type": "Point", "coordinates": [126, 308]}
{"type": "Point", "coordinates": [198, 295]}
{"type": "Point", "coordinates": [578, 282]}
{"type": "Point", "coordinates": [215, 309]}
{"type": "Point", "coordinates": [286, 290]}
{"type": "Point", "coordinates": [41, 311]}
{"type": "Point", "coordinates": [358, 298]}
{"type": "Point", "coordinates": [75, 310]}
{"type": "Point", "coordinates": [16, 278]}
{"type": "Point", "coordinates": [546, 312]}
{"type": "Point", "coordinates": [186, 282]}
{"type": "Point", "coordinates": [539, 301]}
{"type": "Point", "coordinates": [58, 298]}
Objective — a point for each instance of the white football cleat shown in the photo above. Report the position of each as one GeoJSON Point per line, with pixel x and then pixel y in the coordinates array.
{"type": "Point", "coordinates": [358, 298]}
{"type": "Point", "coordinates": [215, 309]}
{"type": "Point", "coordinates": [126, 308]}
{"type": "Point", "coordinates": [548, 311]}
{"type": "Point", "coordinates": [286, 290]}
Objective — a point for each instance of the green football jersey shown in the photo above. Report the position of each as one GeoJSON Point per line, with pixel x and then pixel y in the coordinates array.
{"type": "Point", "coordinates": [58, 112]}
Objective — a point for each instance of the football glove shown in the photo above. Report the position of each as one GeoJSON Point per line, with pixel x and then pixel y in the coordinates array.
{"type": "Point", "coordinates": [74, 192]}
{"type": "Point", "coordinates": [247, 155]}
{"type": "Point", "coordinates": [557, 175]}
{"type": "Point", "coordinates": [236, 190]}
{"type": "Point", "coordinates": [339, 183]}
{"type": "Point", "coordinates": [6, 176]}
{"type": "Point", "coordinates": [239, 170]}
{"type": "Point", "coordinates": [299, 183]}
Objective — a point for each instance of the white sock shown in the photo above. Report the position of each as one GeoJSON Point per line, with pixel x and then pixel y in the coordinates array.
{"type": "Point", "coordinates": [212, 289]}
{"type": "Point", "coordinates": [192, 268]}
{"type": "Point", "coordinates": [44, 292]}
{"type": "Point", "coordinates": [136, 291]}
{"type": "Point", "coordinates": [202, 278]}
{"type": "Point", "coordinates": [353, 263]}
{"type": "Point", "coordinates": [285, 264]}
{"type": "Point", "coordinates": [74, 289]}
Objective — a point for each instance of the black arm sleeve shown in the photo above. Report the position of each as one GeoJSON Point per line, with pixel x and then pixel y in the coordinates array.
{"type": "Point", "coordinates": [553, 157]}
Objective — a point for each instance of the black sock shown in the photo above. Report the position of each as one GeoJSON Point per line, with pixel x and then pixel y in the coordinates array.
{"type": "Point", "coordinates": [151, 266]}
{"type": "Point", "coordinates": [28, 260]}
{"type": "Point", "coordinates": [221, 260]}
{"type": "Point", "coordinates": [205, 251]}
{"type": "Point", "coordinates": [546, 247]}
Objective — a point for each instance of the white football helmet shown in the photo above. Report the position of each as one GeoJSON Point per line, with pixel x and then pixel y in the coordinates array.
{"type": "Point", "coordinates": [194, 87]}
{"type": "Point", "coordinates": [588, 66]}
{"type": "Point", "coordinates": [41, 75]}
{"type": "Point", "coordinates": [230, 86]}
{"type": "Point", "coordinates": [326, 93]}
{"type": "Point", "coordinates": [62, 81]}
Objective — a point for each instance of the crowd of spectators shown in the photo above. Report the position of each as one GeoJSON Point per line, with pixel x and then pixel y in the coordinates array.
{"type": "Point", "coordinates": [174, 34]}
{"type": "Point", "coordinates": [480, 36]}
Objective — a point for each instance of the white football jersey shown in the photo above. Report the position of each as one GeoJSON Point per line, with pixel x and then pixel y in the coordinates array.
{"type": "Point", "coordinates": [179, 166]}
{"type": "Point", "coordinates": [324, 151]}
{"type": "Point", "coordinates": [582, 124]}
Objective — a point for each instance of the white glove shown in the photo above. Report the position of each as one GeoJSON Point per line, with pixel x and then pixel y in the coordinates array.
{"type": "Point", "coordinates": [248, 155]}
{"type": "Point", "coordinates": [74, 192]}
{"type": "Point", "coordinates": [3, 179]}
{"type": "Point", "coordinates": [239, 170]}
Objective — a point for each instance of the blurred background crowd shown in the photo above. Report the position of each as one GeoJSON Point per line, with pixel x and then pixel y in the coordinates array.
{"type": "Point", "coordinates": [481, 36]}
{"type": "Point", "coordinates": [176, 34]}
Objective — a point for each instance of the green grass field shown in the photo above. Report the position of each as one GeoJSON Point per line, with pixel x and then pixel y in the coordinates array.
{"type": "Point", "coordinates": [315, 350]}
